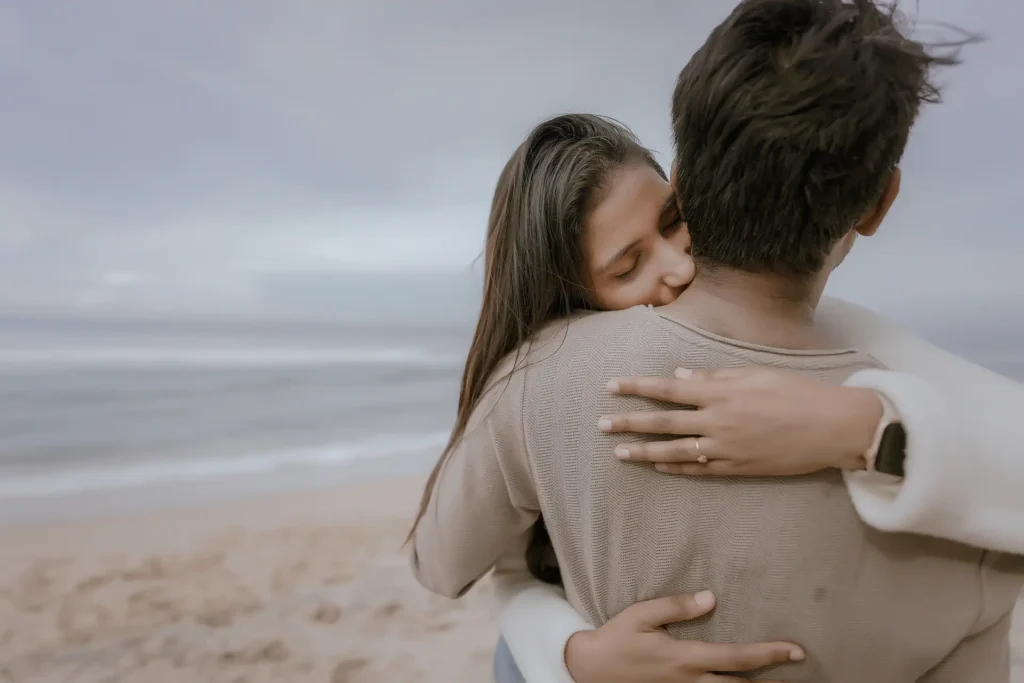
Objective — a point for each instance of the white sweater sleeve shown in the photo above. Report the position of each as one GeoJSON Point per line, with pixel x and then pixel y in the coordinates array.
{"type": "Point", "coordinates": [964, 472]}
{"type": "Point", "coordinates": [536, 622]}
{"type": "Point", "coordinates": [964, 476]}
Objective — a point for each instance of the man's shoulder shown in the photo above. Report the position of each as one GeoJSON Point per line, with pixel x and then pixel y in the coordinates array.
{"type": "Point", "coordinates": [592, 332]}
{"type": "Point", "coordinates": [578, 353]}
{"type": "Point", "coordinates": [602, 327]}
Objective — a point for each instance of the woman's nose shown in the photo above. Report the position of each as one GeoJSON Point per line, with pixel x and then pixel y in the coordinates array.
{"type": "Point", "coordinates": [678, 269]}
{"type": "Point", "coordinates": [673, 280]}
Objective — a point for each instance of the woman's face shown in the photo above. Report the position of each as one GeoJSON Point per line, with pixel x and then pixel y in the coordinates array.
{"type": "Point", "coordinates": [635, 246]}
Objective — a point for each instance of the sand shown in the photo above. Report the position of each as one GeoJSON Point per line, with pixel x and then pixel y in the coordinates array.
{"type": "Point", "coordinates": [294, 587]}
{"type": "Point", "coordinates": [299, 587]}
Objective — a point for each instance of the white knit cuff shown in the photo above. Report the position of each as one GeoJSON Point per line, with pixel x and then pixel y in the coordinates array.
{"type": "Point", "coordinates": [924, 501]}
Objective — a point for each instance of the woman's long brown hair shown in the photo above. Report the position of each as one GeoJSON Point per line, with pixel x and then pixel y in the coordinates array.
{"type": "Point", "coordinates": [533, 257]}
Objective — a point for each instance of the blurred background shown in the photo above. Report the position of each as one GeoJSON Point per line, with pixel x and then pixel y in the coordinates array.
{"type": "Point", "coordinates": [237, 237]}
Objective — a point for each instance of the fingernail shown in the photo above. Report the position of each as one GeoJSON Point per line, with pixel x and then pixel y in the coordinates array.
{"type": "Point", "coordinates": [613, 385]}
{"type": "Point", "coordinates": [704, 599]}
{"type": "Point", "coordinates": [797, 655]}
{"type": "Point", "coordinates": [622, 452]}
{"type": "Point", "coordinates": [683, 373]}
{"type": "Point", "coordinates": [604, 424]}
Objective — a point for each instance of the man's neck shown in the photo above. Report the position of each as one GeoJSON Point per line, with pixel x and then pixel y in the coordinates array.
{"type": "Point", "coordinates": [750, 307]}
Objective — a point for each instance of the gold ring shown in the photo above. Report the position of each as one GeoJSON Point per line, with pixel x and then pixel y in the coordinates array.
{"type": "Point", "coordinates": [701, 458]}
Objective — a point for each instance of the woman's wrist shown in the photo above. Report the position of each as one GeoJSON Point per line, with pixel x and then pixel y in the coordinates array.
{"type": "Point", "coordinates": [859, 415]}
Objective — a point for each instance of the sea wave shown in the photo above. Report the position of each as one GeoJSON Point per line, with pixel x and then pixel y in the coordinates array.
{"type": "Point", "coordinates": [126, 475]}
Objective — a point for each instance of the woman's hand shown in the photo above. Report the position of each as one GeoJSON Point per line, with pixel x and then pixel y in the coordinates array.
{"type": "Point", "coordinates": [751, 421]}
{"type": "Point", "coordinates": [633, 646]}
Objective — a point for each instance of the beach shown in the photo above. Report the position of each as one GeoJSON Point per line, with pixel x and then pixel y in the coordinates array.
{"type": "Point", "coordinates": [304, 586]}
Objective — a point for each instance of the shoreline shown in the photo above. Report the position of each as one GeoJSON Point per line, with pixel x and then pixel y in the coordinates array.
{"type": "Point", "coordinates": [99, 503]}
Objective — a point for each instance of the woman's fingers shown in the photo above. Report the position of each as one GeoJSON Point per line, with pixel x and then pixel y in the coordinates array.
{"type": "Point", "coordinates": [633, 645]}
{"type": "Point", "coordinates": [714, 374]}
{"type": "Point", "coordinates": [689, 392]}
{"type": "Point", "coordinates": [654, 614]}
{"type": "Point", "coordinates": [739, 656]}
{"type": "Point", "coordinates": [653, 422]}
{"type": "Point", "coordinates": [687, 450]}
{"type": "Point", "coordinates": [752, 421]}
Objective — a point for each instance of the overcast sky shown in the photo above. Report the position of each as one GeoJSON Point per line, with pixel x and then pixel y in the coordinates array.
{"type": "Point", "coordinates": [319, 157]}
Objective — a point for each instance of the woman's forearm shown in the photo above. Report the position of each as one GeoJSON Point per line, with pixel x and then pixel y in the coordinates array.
{"type": "Point", "coordinates": [965, 437]}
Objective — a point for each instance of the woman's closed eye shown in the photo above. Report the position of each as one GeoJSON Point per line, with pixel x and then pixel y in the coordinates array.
{"type": "Point", "coordinates": [633, 269]}
{"type": "Point", "coordinates": [671, 220]}
{"type": "Point", "coordinates": [669, 229]}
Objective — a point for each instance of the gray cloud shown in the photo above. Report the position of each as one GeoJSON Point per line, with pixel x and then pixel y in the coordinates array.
{"type": "Point", "coordinates": [231, 156]}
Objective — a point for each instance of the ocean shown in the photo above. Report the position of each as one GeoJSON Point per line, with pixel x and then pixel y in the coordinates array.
{"type": "Point", "coordinates": [105, 405]}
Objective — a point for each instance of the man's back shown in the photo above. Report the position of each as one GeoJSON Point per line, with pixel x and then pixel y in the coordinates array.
{"type": "Point", "coordinates": [788, 558]}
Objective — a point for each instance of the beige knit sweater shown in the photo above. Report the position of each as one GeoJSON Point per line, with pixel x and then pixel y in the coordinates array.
{"type": "Point", "coordinates": [788, 558]}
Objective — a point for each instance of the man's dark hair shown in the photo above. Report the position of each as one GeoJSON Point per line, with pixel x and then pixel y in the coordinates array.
{"type": "Point", "coordinates": [788, 123]}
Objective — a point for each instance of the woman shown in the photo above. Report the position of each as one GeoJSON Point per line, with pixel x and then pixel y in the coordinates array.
{"type": "Point", "coordinates": [551, 203]}
{"type": "Point", "coordinates": [551, 199]}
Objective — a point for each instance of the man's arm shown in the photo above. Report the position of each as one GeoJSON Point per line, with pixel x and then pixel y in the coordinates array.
{"type": "Point", "coordinates": [484, 501]}
{"type": "Point", "coordinates": [965, 437]}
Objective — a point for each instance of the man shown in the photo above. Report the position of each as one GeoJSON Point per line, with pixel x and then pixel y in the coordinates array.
{"type": "Point", "coordinates": [789, 123]}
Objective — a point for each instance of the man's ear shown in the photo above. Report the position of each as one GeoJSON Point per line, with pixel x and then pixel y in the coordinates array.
{"type": "Point", "coordinates": [868, 225]}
